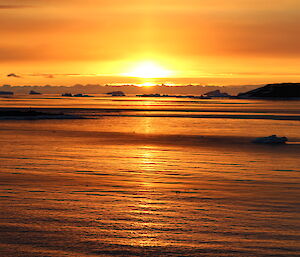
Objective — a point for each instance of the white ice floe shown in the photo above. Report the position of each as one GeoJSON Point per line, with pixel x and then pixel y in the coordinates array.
{"type": "Point", "coordinates": [270, 140]}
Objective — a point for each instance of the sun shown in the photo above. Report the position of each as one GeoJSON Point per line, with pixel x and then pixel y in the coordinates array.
{"type": "Point", "coordinates": [148, 69]}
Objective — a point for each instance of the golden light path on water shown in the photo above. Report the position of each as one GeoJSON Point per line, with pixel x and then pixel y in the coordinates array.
{"type": "Point", "coordinates": [128, 183]}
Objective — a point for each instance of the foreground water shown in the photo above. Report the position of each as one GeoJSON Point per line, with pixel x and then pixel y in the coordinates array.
{"type": "Point", "coordinates": [150, 177]}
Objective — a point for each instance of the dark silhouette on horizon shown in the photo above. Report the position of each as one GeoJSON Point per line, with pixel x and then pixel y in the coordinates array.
{"type": "Point", "coordinates": [282, 90]}
{"type": "Point", "coordinates": [32, 92]}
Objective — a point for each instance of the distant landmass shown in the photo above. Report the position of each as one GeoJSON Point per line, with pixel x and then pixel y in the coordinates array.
{"type": "Point", "coordinates": [282, 90]}
{"type": "Point", "coordinates": [128, 89]}
{"type": "Point", "coordinates": [116, 93]}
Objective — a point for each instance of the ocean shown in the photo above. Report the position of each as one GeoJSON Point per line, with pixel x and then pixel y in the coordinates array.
{"type": "Point", "coordinates": [135, 176]}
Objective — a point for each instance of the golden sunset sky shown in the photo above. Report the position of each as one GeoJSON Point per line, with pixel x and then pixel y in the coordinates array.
{"type": "Point", "coordinates": [63, 42]}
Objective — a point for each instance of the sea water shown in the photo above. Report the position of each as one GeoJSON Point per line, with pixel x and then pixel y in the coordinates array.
{"type": "Point", "coordinates": [150, 177]}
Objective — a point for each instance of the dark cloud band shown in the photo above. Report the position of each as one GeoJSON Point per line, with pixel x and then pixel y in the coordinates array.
{"type": "Point", "coordinates": [13, 6]}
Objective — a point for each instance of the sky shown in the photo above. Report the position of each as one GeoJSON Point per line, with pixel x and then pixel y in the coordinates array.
{"type": "Point", "coordinates": [64, 42]}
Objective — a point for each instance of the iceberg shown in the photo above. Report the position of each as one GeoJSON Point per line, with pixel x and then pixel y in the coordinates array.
{"type": "Point", "coordinates": [270, 140]}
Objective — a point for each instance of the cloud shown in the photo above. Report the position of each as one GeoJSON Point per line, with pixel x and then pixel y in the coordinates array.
{"type": "Point", "coordinates": [9, 6]}
{"type": "Point", "coordinates": [54, 75]}
{"type": "Point", "coordinates": [47, 76]}
{"type": "Point", "coordinates": [13, 75]}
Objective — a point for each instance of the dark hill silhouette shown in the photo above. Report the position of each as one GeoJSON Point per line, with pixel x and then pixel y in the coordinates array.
{"type": "Point", "coordinates": [282, 90]}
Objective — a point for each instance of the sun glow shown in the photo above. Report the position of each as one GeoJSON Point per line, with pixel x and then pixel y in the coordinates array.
{"type": "Point", "coordinates": [148, 70]}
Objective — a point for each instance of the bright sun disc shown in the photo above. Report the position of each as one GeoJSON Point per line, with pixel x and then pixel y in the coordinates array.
{"type": "Point", "coordinates": [148, 70]}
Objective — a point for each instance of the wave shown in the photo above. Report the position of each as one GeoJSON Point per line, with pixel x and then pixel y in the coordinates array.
{"type": "Point", "coordinates": [211, 116]}
{"type": "Point", "coordinates": [89, 113]}
{"type": "Point", "coordinates": [31, 114]}
{"type": "Point", "coordinates": [240, 143]}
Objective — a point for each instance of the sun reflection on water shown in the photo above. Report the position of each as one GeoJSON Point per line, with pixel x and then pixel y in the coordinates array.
{"type": "Point", "coordinates": [147, 207]}
{"type": "Point", "coordinates": [147, 127]}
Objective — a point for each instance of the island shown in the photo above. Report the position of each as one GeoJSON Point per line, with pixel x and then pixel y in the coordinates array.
{"type": "Point", "coordinates": [76, 95]}
{"type": "Point", "coordinates": [67, 94]}
{"type": "Point", "coordinates": [217, 93]}
{"type": "Point", "coordinates": [116, 93]}
{"type": "Point", "coordinates": [176, 96]}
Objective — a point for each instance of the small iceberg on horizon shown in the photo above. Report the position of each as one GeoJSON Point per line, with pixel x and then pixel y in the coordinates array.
{"type": "Point", "coordinates": [270, 140]}
{"type": "Point", "coordinates": [32, 92]}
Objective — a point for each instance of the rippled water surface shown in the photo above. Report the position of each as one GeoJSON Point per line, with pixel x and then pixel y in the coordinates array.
{"type": "Point", "coordinates": [150, 177]}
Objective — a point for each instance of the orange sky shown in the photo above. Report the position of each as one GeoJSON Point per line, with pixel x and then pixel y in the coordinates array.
{"type": "Point", "coordinates": [97, 41]}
